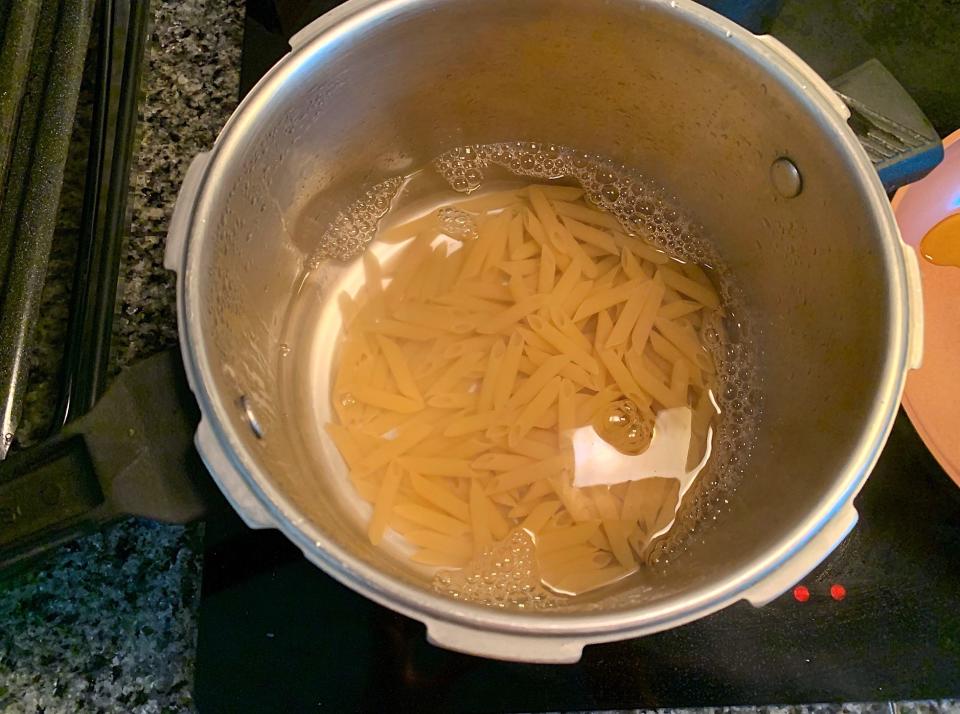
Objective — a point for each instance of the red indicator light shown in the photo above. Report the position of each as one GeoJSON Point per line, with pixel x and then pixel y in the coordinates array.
{"type": "Point", "coordinates": [801, 593]}
{"type": "Point", "coordinates": [838, 592]}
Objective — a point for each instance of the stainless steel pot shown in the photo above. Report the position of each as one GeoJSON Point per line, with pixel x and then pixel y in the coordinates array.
{"type": "Point", "coordinates": [378, 87]}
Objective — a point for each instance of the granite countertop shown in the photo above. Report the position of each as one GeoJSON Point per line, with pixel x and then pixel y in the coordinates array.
{"type": "Point", "coordinates": [109, 623]}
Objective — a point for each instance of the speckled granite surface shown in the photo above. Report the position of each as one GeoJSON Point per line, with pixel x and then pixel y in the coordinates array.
{"type": "Point", "coordinates": [107, 626]}
{"type": "Point", "coordinates": [109, 623]}
{"type": "Point", "coordinates": [192, 83]}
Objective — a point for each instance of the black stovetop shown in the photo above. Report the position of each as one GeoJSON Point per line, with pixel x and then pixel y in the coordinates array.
{"type": "Point", "coordinates": [276, 634]}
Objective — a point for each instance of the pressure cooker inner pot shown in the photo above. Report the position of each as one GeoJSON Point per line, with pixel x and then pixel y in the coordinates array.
{"type": "Point", "coordinates": [639, 82]}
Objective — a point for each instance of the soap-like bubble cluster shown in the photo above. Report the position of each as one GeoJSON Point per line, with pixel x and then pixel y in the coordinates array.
{"type": "Point", "coordinates": [463, 167]}
{"type": "Point", "coordinates": [457, 224]}
{"type": "Point", "coordinates": [354, 227]}
{"type": "Point", "coordinates": [506, 576]}
{"type": "Point", "coordinates": [640, 204]}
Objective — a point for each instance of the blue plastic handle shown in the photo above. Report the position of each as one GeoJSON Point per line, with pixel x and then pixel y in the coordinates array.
{"type": "Point", "coordinates": [754, 15]}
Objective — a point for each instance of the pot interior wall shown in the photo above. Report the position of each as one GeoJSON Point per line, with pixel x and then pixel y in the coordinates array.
{"type": "Point", "coordinates": [631, 80]}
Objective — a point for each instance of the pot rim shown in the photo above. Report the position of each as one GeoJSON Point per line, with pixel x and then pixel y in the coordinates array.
{"type": "Point", "coordinates": [341, 23]}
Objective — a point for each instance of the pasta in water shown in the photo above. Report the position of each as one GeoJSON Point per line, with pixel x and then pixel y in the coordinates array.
{"type": "Point", "coordinates": [521, 371]}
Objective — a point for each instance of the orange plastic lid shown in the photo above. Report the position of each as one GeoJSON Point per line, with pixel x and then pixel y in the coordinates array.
{"type": "Point", "coordinates": [932, 394]}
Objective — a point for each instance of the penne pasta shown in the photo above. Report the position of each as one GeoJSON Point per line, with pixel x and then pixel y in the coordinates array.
{"type": "Point", "coordinates": [550, 541]}
{"type": "Point", "coordinates": [557, 193]}
{"type": "Point", "coordinates": [384, 504]}
{"type": "Point", "coordinates": [685, 340]}
{"type": "Point", "coordinates": [649, 384]}
{"type": "Point", "coordinates": [485, 290]}
{"type": "Point", "coordinates": [695, 272]}
{"type": "Point", "coordinates": [438, 466]}
{"type": "Point", "coordinates": [533, 449]}
{"type": "Point", "coordinates": [439, 497]}
{"type": "Point", "coordinates": [476, 254]}
{"type": "Point", "coordinates": [549, 369]}
{"type": "Point", "coordinates": [566, 245]}
{"type": "Point", "coordinates": [426, 556]}
{"type": "Point", "coordinates": [453, 400]}
{"type": "Point", "coordinates": [498, 525]}
{"type": "Point", "coordinates": [587, 215]}
{"type": "Point", "coordinates": [563, 344]}
{"type": "Point", "coordinates": [405, 331]}
{"type": "Point", "coordinates": [440, 543]}
{"type": "Point", "coordinates": [569, 330]}
{"type": "Point", "coordinates": [577, 293]}
{"type": "Point", "coordinates": [605, 298]}
{"type": "Point", "coordinates": [648, 315]}
{"type": "Point", "coordinates": [539, 515]}
{"type": "Point", "coordinates": [640, 249]}
{"type": "Point", "coordinates": [432, 519]}
{"type": "Point", "coordinates": [469, 362]}
{"type": "Point", "coordinates": [593, 236]}
{"type": "Point", "coordinates": [691, 288]}
{"type": "Point", "coordinates": [680, 380]}
{"type": "Point", "coordinates": [507, 373]}
{"type": "Point", "coordinates": [545, 213]}
{"type": "Point", "coordinates": [497, 236]}
{"type": "Point", "coordinates": [512, 315]}
{"type": "Point", "coordinates": [396, 447]}
{"type": "Point", "coordinates": [678, 308]}
{"type": "Point", "coordinates": [519, 268]}
{"type": "Point", "coordinates": [399, 368]}
{"type": "Point", "coordinates": [457, 370]}
{"type": "Point", "coordinates": [480, 421]}
{"type": "Point", "coordinates": [487, 386]}
{"type": "Point", "coordinates": [494, 461]}
{"type": "Point", "coordinates": [350, 450]}
{"type": "Point", "coordinates": [515, 239]}
{"type": "Point", "coordinates": [622, 376]}
{"type": "Point", "coordinates": [566, 413]}
{"type": "Point", "coordinates": [537, 491]}
{"type": "Point", "coordinates": [563, 561]}
{"type": "Point", "coordinates": [565, 285]}
{"type": "Point", "coordinates": [548, 266]}
{"type": "Point", "coordinates": [627, 319]}
{"type": "Point", "coordinates": [527, 474]}
{"type": "Point", "coordinates": [533, 411]}
{"type": "Point", "coordinates": [480, 525]}
{"type": "Point", "coordinates": [594, 404]}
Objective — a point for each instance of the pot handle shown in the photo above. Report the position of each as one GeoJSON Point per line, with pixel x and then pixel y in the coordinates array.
{"type": "Point", "coordinates": [503, 645]}
{"type": "Point", "coordinates": [130, 455]}
{"type": "Point", "coordinates": [896, 136]}
{"type": "Point", "coordinates": [231, 483]}
{"type": "Point", "coordinates": [898, 139]}
{"type": "Point", "coordinates": [180, 221]}
{"type": "Point", "coordinates": [806, 559]}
